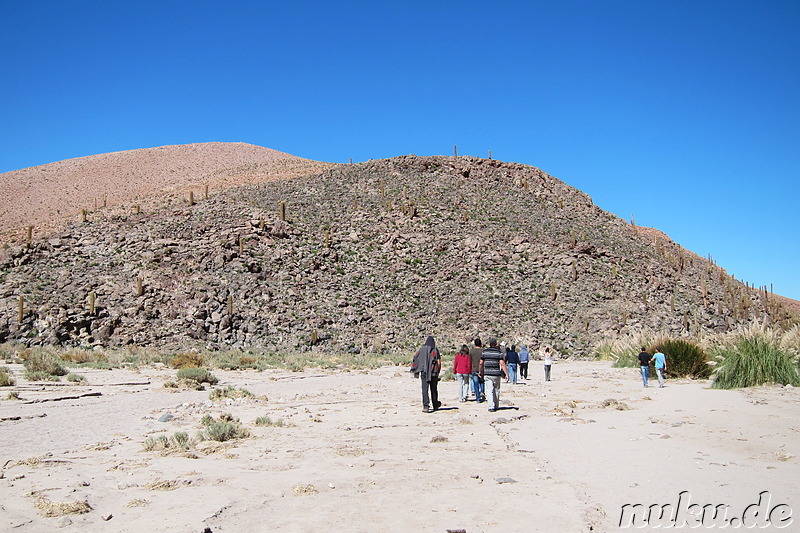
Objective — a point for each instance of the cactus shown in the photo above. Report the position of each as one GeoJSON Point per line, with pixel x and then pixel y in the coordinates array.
{"type": "Point", "coordinates": [139, 286]}
{"type": "Point", "coordinates": [137, 209]}
{"type": "Point", "coordinates": [191, 198]}
{"type": "Point", "coordinates": [205, 192]}
{"type": "Point", "coordinates": [92, 298]}
{"type": "Point", "coordinates": [241, 245]}
{"type": "Point", "coordinates": [553, 293]}
{"type": "Point", "coordinates": [455, 151]}
{"type": "Point", "coordinates": [574, 272]}
{"type": "Point", "coordinates": [282, 210]}
{"type": "Point", "coordinates": [327, 238]}
{"type": "Point", "coordinates": [314, 337]}
{"type": "Point", "coordinates": [83, 215]}
{"type": "Point", "coordinates": [29, 237]}
{"type": "Point", "coordinates": [21, 309]}
{"type": "Point", "coordinates": [490, 154]}
{"type": "Point", "coordinates": [230, 305]}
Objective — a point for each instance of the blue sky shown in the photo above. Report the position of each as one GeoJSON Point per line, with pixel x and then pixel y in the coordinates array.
{"type": "Point", "coordinates": [685, 114]}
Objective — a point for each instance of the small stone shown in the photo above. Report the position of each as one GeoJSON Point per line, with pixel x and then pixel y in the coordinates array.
{"type": "Point", "coordinates": [64, 521]}
{"type": "Point", "coordinates": [502, 480]}
{"type": "Point", "coordinates": [165, 417]}
{"type": "Point", "coordinates": [107, 517]}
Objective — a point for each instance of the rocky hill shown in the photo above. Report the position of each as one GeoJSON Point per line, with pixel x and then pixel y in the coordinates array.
{"type": "Point", "coordinates": [371, 256]}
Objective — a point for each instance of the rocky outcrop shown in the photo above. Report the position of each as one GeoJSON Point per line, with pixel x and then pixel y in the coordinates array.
{"type": "Point", "coordinates": [372, 256]}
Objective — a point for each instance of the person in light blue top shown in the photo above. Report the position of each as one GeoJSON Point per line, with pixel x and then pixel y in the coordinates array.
{"type": "Point", "coordinates": [524, 357]}
{"type": "Point", "coordinates": [661, 366]}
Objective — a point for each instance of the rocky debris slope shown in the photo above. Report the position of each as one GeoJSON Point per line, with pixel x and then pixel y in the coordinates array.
{"type": "Point", "coordinates": [372, 256]}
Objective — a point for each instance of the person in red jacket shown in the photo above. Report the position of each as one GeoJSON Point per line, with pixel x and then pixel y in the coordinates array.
{"type": "Point", "coordinates": [462, 368]}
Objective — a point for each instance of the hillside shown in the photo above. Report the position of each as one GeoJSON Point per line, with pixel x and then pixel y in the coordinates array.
{"type": "Point", "coordinates": [371, 256]}
{"type": "Point", "coordinates": [43, 195]}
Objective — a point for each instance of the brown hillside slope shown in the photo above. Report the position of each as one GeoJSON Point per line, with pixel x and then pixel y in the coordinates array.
{"type": "Point", "coordinates": [371, 256]}
{"type": "Point", "coordinates": [42, 195]}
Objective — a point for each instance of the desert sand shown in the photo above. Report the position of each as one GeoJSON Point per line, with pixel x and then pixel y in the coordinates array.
{"type": "Point", "coordinates": [358, 454]}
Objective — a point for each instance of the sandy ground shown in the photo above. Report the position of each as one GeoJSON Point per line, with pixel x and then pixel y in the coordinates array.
{"type": "Point", "coordinates": [358, 454]}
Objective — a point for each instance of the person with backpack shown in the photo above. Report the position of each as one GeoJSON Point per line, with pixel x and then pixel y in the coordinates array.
{"type": "Point", "coordinates": [426, 365]}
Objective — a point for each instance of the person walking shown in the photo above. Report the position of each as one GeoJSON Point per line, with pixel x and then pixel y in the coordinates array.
{"type": "Point", "coordinates": [478, 385]}
{"type": "Point", "coordinates": [547, 355]}
{"type": "Point", "coordinates": [644, 365]}
{"type": "Point", "coordinates": [524, 357]}
{"type": "Point", "coordinates": [661, 366]}
{"type": "Point", "coordinates": [427, 364]}
{"type": "Point", "coordinates": [512, 362]}
{"type": "Point", "coordinates": [462, 368]}
{"type": "Point", "coordinates": [493, 368]}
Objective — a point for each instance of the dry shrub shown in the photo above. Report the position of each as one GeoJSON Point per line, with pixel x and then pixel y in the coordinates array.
{"type": "Point", "coordinates": [6, 379]}
{"type": "Point", "coordinates": [84, 356]}
{"type": "Point", "coordinates": [190, 359]}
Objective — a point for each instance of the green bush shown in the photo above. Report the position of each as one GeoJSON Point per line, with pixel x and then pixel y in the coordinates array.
{"type": "Point", "coordinates": [224, 429]}
{"type": "Point", "coordinates": [198, 375]}
{"type": "Point", "coordinates": [685, 359]}
{"type": "Point", "coordinates": [179, 440]}
{"type": "Point", "coordinates": [40, 376]}
{"type": "Point", "coordinates": [41, 362]}
{"type": "Point", "coordinates": [754, 359]}
{"type": "Point", "coordinates": [76, 378]}
{"type": "Point", "coordinates": [267, 421]}
{"type": "Point", "coordinates": [229, 392]}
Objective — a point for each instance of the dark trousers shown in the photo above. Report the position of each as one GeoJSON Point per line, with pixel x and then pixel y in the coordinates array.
{"type": "Point", "coordinates": [523, 370]}
{"type": "Point", "coordinates": [547, 372]}
{"type": "Point", "coordinates": [433, 386]}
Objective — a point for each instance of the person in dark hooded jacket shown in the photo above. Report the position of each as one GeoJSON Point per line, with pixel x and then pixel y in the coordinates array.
{"type": "Point", "coordinates": [427, 364]}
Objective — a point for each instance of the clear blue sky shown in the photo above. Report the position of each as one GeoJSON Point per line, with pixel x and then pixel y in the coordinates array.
{"type": "Point", "coordinates": [685, 114]}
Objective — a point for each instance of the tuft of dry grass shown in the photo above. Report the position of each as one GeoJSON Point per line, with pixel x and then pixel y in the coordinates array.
{"type": "Point", "coordinates": [138, 502]}
{"type": "Point", "coordinates": [50, 509]}
{"type": "Point", "coordinates": [304, 490]}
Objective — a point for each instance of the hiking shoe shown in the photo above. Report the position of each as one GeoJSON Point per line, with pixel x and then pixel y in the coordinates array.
{"type": "Point", "coordinates": [492, 410]}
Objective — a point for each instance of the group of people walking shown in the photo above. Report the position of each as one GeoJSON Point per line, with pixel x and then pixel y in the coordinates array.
{"type": "Point", "coordinates": [477, 368]}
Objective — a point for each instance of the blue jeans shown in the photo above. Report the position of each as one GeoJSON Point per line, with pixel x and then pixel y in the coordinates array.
{"type": "Point", "coordinates": [477, 387]}
{"type": "Point", "coordinates": [660, 374]}
{"type": "Point", "coordinates": [645, 374]}
{"type": "Point", "coordinates": [512, 372]}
